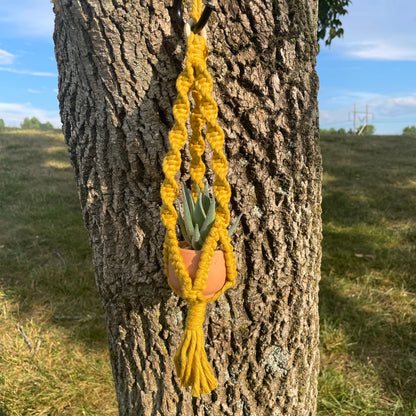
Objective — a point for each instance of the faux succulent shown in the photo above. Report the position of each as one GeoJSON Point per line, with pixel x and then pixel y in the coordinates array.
{"type": "Point", "coordinates": [197, 217]}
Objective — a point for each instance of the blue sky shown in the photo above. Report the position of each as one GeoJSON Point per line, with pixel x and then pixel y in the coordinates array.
{"type": "Point", "coordinates": [374, 64]}
{"type": "Point", "coordinates": [28, 74]}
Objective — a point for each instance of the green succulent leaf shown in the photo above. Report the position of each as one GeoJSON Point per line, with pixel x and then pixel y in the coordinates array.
{"type": "Point", "coordinates": [182, 225]}
{"type": "Point", "coordinates": [199, 213]}
{"type": "Point", "coordinates": [206, 200]}
{"type": "Point", "coordinates": [196, 239]}
{"type": "Point", "coordinates": [187, 196]}
{"type": "Point", "coordinates": [234, 226]}
{"type": "Point", "coordinates": [187, 216]}
{"type": "Point", "coordinates": [196, 218]}
{"type": "Point", "coordinates": [209, 221]}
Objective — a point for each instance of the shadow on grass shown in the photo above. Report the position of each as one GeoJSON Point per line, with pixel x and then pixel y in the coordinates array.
{"type": "Point", "coordinates": [387, 344]}
{"type": "Point", "coordinates": [369, 202]}
{"type": "Point", "coordinates": [45, 258]}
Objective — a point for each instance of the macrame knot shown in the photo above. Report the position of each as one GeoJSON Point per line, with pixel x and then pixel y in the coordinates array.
{"type": "Point", "coordinates": [197, 49]}
{"type": "Point", "coordinates": [196, 316]}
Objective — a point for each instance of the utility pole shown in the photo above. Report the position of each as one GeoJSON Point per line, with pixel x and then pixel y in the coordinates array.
{"type": "Point", "coordinates": [355, 112]}
{"type": "Point", "coordinates": [355, 118]}
{"type": "Point", "coordinates": [355, 115]}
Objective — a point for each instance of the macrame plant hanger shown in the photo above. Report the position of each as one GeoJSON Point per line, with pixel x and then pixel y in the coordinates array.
{"type": "Point", "coordinates": [191, 361]}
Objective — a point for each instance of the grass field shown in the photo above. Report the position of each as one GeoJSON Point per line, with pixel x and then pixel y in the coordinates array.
{"type": "Point", "coordinates": [368, 288]}
{"type": "Point", "coordinates": [53, 354]}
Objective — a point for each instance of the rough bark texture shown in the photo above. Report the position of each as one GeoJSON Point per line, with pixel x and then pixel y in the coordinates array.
{"type": "Point", "coordinates": [118, 61]}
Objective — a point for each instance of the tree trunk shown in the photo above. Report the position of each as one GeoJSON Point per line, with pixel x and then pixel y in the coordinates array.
{"type": "Point", "coordinates": [118, 61]}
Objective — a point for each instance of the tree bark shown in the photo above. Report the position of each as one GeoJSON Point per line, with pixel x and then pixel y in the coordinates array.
{"type": "Point", "coordinates": [118, 61]}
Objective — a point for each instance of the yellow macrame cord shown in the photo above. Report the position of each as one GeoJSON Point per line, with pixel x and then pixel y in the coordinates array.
{"type": "Point", "coordinates": [191, 361]}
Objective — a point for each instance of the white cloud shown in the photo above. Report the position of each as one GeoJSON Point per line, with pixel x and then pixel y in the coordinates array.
{"type": "Point", "coordinates": [6, 58]}
{"type": "Point", "coordinates": [381, 49]}
{"type": "Point", "coordinates": [33, 91]}
{"type": "Point", "coordinates": [28, 17]}
{"type": "Point", "coordinates": [395, 106]}
{"type": "Point", "coordinates": [13, 114]}
{"type": "Point", "coordinates": [28, 72]}
{"type": "Point", "coordinates": [381, 31]}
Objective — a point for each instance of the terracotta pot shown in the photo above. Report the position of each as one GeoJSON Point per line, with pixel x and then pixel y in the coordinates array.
{"type": "Point", "coordinates": [216, 276]}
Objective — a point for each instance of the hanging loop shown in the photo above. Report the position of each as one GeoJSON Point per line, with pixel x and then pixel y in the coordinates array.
{"type": "Point", "coordinates": [200, 24]}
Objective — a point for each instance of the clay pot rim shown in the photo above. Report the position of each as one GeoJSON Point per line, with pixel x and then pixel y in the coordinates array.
{"type": "Point", "coordinates": [184, 245]}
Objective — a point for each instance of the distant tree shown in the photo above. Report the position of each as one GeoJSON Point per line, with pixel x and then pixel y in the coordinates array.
{"type": "Point", "coordinates": [46, 126]}
{"type": "Point", "coordinates": [30, 124]}
{"type": "Point", "coordinates": [34, 124]}
{"type": "Point", "coordinates": [332, 131]}
{"type": "Point", "coordinates": [409, 131]}
{"type": "Point", "coordinates": [1, 124]}
{"type": "Point", "coordinates": [368, 130]}
{"type": "Point", "coordinates": [329, 26]}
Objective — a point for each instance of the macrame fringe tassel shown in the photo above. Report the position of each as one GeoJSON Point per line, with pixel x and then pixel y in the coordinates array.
{"type": "Point", "coordinates": [191, 360]}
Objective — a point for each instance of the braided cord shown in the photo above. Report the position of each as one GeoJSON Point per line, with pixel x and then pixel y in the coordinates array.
{"type": "Point", "coordinates": [191, 362]}
{"type": "Point", "coordinates": [197, 145]}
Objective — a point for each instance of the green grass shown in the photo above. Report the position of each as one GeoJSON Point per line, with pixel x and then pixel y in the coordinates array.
{"type": "Point", "coordinates": [367, 297]}
{"type": "Point", "coordinates": [368, 288]}
{"type": "Point", "coordinates": [45, 276]}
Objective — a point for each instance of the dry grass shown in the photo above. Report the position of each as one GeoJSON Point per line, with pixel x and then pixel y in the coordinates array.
{"type": "Point", "coordinates": [45, 277]}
